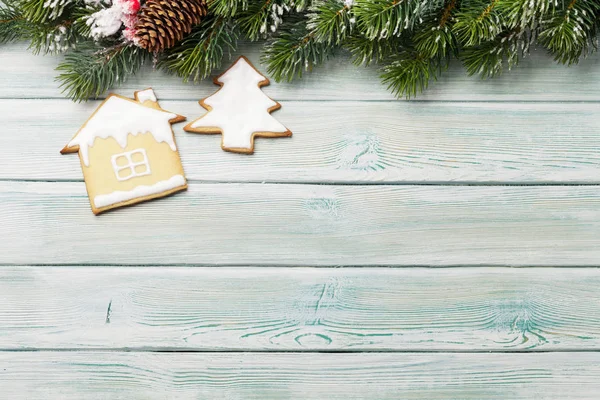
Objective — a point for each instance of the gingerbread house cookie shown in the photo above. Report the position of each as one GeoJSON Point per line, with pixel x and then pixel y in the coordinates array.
{"type": "Point", "coordinates": [128, 152]}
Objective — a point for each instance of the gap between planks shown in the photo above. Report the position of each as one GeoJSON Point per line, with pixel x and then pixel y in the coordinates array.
{"type": "Point", "coordinates": [296, 266]}
{"type": "Point", "coordinates": [347, 183]}
{"type": "Point", "coordinates": [195, 100]}
{"type": "Point", "coordinates": [183, 350]}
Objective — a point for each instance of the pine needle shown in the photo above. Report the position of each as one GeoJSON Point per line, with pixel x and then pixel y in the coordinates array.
{"type": "Point", "coordinates": [88, 73]}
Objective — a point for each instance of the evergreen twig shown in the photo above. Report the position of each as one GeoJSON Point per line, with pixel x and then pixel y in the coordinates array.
{"type": "Point", "coordinates": [366, 51]}
{"type": "Point", "coordinates": [330, 21]}
{"type": "Point", "coordinates": [44, 11]}
{"type": "Point", "coordinates": [489, 59]}
{"type": "Point", "coordinates": [409, 73]}
{"type": "Point", "coordinates": [386, 18]}
{"type": "Point", "coordinates": [569, 33]}
{"type": "Point", "coordinates": [478, 23]}
{"type": "Point", "coordinates": [88, 73]}
{"type": "Point", "coordinates": [202, 51]}
{"type": "Point", "coordinates": [295, 50]}
{"type": "Point", "coordinates": [412, 40]}
{"type": "Point", "coordinates": [13, 25]}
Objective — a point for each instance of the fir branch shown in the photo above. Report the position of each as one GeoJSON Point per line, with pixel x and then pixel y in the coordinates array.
{"type": "Point", "coordinates": [433, 46]}
{"type": "Point", "coordinates": [409, 73]}
{"type": "Point", "coordinates": [447, 12]}
{"type": "Point", "coordinates": [300, 6]}
{"type": "Point", "coordinates": [331, 21]}
{"type": "Point", "coordinates": [365, 50]}
{"type": "Point", "coordinates": [478, 23]}
{"type": "Point", "coordinates": [569, 34]}
{"type": "Point", "coordinates": [46, 37]}
{"type": "Point", "coordinates": [294, 51]}
{"type": "Point", "coordinates": [489, 59]}
{"type": "Point", "coordinates": [13, 25]}
{"type": "Point", "coordinates": [413, 39]}
{"type": "Point", "coordinates": [202, 51]}
{"type": "Point", "coordinates": [78, 19]}
{"type": "Point", "coordinates": [254, 20]}
{"type": "Point", "coordinates": [262, 18]}
{"type": "Point", "coordinates": [52, 38]}
{"type": "Point", "coordinates": [88, 72]}
{"type": "Point", "coordinates": [384, 18]}
{"type": "Point", "coordinates": [227, 8]}
{"type": "Point", "coordinates": [524, 14]}
{"type": "Point", "coordinates": [436, 42]}
{"type": "Point", "coordinates": [44, 11]}
{"type": "Point", "coordinates": [387, 18]}
{"type": "Point", "coordinates": [240, 8]}
{"type": "Point", "coordinates": [434, 39]}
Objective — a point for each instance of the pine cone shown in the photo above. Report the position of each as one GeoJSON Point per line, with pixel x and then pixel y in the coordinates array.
{"type": "Point", "coordinates": [162, 23]}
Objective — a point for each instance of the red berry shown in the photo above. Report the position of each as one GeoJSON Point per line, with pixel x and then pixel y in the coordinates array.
{"type": "Point", "coordinates": [135, 5]}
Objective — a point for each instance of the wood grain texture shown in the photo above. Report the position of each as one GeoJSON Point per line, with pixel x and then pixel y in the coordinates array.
{"type": "Point", "coordinates": [311, 225]}
{"type": "Point", "coordinates": [538, 78]}
{"type": "Point", "coordinates": [346, 142]}
{"type": "Point", "coordinates": [115, 375]}
{"type": "Point", "coordinates": [167, 285]}
{"type": "Point", "coordinates": [256, 309]}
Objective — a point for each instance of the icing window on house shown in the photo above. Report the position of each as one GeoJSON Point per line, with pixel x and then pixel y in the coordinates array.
{"type": "Point", "coordinates": [130, 164]}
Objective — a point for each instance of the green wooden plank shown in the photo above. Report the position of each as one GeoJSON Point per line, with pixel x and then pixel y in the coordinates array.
{"type": "Point", "coordinates": [310, 225]}
{"type": "Point", "coordinates": [346, 142]}
{"type": "Point", "coordinates": [116, 375]}
{"type": "Point", "coordinates": [256, 309]}
{"type": "Point", "coordinates": [537, 78]}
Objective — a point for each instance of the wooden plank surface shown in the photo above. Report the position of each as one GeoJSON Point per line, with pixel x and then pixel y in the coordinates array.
{"type": "Point", "coordinates": [346, 142]}
{"type": "Point", "coordinates": [310, 225]}
{"type": "Point", "coordinates": [108, 291]}
{"type": "Point", "coordinates": [538, 78]}
{"type": "Point", "coordinates": [256, 309]}
{"type": "Point", "coordinates": [116, 375]}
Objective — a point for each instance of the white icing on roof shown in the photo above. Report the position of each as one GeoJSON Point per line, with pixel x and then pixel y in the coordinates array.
{"type": "Point", "coordinates": [117, 118]}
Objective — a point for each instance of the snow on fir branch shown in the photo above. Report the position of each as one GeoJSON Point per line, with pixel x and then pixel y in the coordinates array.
{"type": "Point", "coordinates": [412, 42]}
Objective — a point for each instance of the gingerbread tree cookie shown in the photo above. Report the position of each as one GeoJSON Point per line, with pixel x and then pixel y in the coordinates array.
{"type": "Point", "coordinates": [239, 110]}
{"type": "Point", "coordinates": [128, 152]}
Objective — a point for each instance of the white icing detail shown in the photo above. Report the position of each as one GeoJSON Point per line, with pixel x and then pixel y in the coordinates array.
{"type": "Point", "coordinates": [144, 95]}
{"type": "Point", "coordinates": [240, 108]}
{"type": "Point", "coordinates": [119, 196]}
{"type": "Point", "coordinates": [130, 164]}
{"type": "Point", "coordinates": [117, 118]}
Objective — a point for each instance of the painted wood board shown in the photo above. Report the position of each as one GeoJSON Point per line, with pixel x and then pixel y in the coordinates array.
{"type": "Point", "coordinates": [538, 78]}
{"type": "Point", "coordinates": [117, 375]}
{"type": "Point", "coordinates": [309, 225]}
{"type": "Point", "coordinates": [348, 142]}
{"type": "Point", "coordinates": [301, 309]}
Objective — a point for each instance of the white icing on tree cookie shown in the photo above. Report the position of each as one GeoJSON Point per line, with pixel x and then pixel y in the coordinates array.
{"type": "Point", "coordinates": [239, 110]}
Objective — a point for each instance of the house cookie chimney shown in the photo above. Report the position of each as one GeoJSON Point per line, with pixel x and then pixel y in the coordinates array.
{"type": "Point", "coordinates": [147, 98]}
